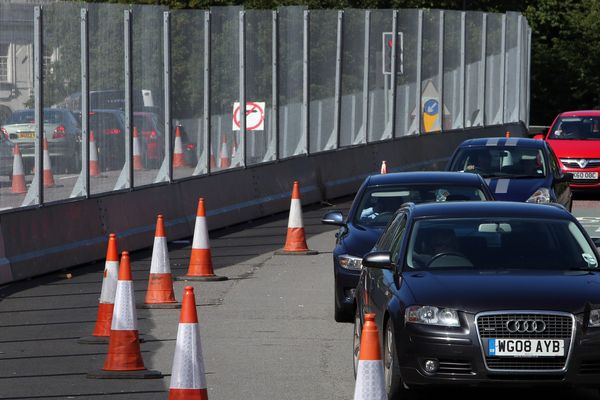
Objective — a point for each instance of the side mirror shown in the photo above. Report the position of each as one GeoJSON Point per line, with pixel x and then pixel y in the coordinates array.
{"type": "Point", "coordinates": [333, 218]}
{"type": "Point", "coordinates": [378, 259]}
{"type": "Point", "coordinates": [538, 137]}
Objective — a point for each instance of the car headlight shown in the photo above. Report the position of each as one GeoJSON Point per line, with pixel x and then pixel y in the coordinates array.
{"type": "Point", "coordinates": [542, 196]}
{"type": "Point", "coordinates": [432, 316]}
{"type": "Point", "coordinates": [350, 262]}
{"type": "Point", "coordinates": [594, 320]}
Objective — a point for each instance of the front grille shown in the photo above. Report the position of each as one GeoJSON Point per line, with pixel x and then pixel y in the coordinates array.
{"type": "Point", "coordinates": [454, 367]}
{"type": "Point", "coordinates": [493, 326]}
{"type": "Point", "coordinates": [524, 364]}
{"type": "Point", "coordinates": [574, 163]}
{"type": "Point", "coordinates": [590, 367]}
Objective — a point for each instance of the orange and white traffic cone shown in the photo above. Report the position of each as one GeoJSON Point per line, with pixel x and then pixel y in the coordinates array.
{"type": "Point", "coordinates": [507, 134]}
{"type": "Point", "coordinates": [137, 151]}
{"type": "Point", "coordinates": [201, 268]}
{"type": "Point", "coordinates": [178, 157]}
{"type": "Point", "coordinates": [213, 161]}
{"type": "Point", "coordinates": [124, 358]}
{"type": "Point", "coordinates": [370, 381]}
{"type": "Point", "coordinates": [160, 284]}
{"type": "Point", "coordinates": [383, 168]}
{"type": "Point", "coordinates": [48, 176]}
{"type": "Point", "coordinates": [18, 175]}
{"type": "Point", "coordinates": [295, 241]}
{"type": "Point", "coordinates": [224, 156]}
{"type": "Point", "coordinates": [188, 381]}
{"type": "Point", "coordinates": [107, 295]}
{"type": "Point", "coordinates": [94, 167]}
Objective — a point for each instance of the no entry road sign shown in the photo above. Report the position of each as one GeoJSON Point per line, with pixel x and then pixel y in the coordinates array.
{"type": "Point", "coordinates": [255, 116]}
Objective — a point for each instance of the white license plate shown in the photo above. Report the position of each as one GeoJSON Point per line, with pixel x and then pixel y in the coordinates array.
{"type": "Point", "coordinates": [585, 175]}
{"type": "Point", "coordinates": [526, 347]}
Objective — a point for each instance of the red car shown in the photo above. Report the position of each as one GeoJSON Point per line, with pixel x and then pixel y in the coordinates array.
{"type": "Point", "coordinates": [575, 138]}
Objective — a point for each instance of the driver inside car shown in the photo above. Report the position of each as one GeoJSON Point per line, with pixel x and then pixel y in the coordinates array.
{"type": "Point", "coordinates": [441, 241]}
{"type": "Point", "coordinates": [382, 205]}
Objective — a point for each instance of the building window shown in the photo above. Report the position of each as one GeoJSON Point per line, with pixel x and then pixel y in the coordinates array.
{"type": "Point", "coordinates": [3, 62]}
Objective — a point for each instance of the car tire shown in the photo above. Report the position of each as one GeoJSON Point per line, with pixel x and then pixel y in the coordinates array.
{"type": "Point", "coordinates": [393, 381]}
{"type": "Point", "coordinates": [341, 313]}
{"type": "Point", "coordinates": [356, 340]}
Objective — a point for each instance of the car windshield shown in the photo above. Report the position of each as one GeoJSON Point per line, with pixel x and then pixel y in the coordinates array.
{"type": "Point", "coordinates": [576, 128]}
{"type": "Point", "coordinates": [378, 204]}
{"type": "Point", "coordinates": [501, 162]}
{"type": "Point", "coordinates": [143, 122]}
{"type": "Point", "coordinates": [497, 244]}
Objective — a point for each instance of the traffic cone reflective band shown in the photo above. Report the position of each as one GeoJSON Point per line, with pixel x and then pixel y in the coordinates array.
{"type": "Point", "coordinates": [48, 177]}
{"type": "Point", "coordinates": [124, 358]}
{"type": "Point", "coordinates": [295, 241]}
{"type": "Point", "coordinates": [224, 156]}
{"type": "Point", "coordinates": [370, 382]}
{"type": "Point", "coordinates": [18, 176]}
{"type": "Point", "coordinates": [188, 381]}
{"type": "Point", "coordinates": [178, 158]}
{"type": "Point", "coordinates": [137, 151]}
{"type": "Point", "coordinates": [201, 268]}
{"type": "Point", "coordinates": [94, 167]}
{"type": "Point", "coordinates": [160, 284]}
{"type": "Point", "coordinates": [383, 168]}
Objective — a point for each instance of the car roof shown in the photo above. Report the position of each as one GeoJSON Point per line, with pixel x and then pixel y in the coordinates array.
{"type": "Point", "coordinates": [502, 141]}
{"type": "Point", "coordinates": [580, 113]}
{"type": "Point", "coordinates": [483, 209]}
{"type": "Point", "coordinates": [106, 110]}
{"type": "Point", "coordinates": [424, 177]}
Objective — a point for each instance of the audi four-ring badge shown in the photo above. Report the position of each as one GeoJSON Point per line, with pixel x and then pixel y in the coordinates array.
{"type": "Point", "coordinates": [483, 294]}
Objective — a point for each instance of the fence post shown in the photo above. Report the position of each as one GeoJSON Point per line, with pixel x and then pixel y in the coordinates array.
{"type": "Point", "coordinates": [338, 79]}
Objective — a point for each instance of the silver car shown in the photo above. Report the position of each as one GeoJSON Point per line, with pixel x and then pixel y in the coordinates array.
{"type": "Point", "coordinates": [61, 130]}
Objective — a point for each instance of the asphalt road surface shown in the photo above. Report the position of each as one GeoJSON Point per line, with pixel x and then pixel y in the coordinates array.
{"type": "Point", "coordinates": [267, 333]}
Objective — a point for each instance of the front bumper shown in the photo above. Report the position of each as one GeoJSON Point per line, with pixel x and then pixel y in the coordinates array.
{"type": "Point", "coordinates": [345, 285]}
{"type": "Point", "coordinates": [461, 360]}
{"type": "Point", "coordinates": [584, 184]}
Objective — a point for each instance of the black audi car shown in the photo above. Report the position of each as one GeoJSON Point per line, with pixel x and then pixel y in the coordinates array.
{"type": "Point", "coordinates": [483, 293]}
{"type": "Point", "coordinates": [373, 206]}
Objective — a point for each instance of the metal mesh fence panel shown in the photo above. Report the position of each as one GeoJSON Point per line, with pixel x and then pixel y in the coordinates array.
{"type": "Point", "coordinates": [406, 77]}
{"type": "Point", "coordinates": [322, 61]}
{"type": "Point", "coordinates": [352, 121]}
{"type": "Point", "coordinates": [474, 70]}
{"type": "Point", "coordinates": [291, 122]}
{"type": "Point", "coordinates": [380, 113]}
{"type": "Point", "coordinates": [147, 100]}
{"type": "Point", "coordinates": [511, 101]}
{"type": "Point", "coordinates": [107, 92]}
{"type": "Point", "coordinates": [62, 78]}
{"type": "Point", "coordinates": [187, 92]}
{"type": "Point", "coordinates": [493, 70]}
{"type": "Point", "coordinates": [16, 94]}
{"type": "Point", "coordinates": [225, 83]}
{"type": "Point", "coordinates": [431, 73]}
{"type": "Point", "coordinates": [260, 130]}
{"type": "Point", "coordinates": [453, 101]}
